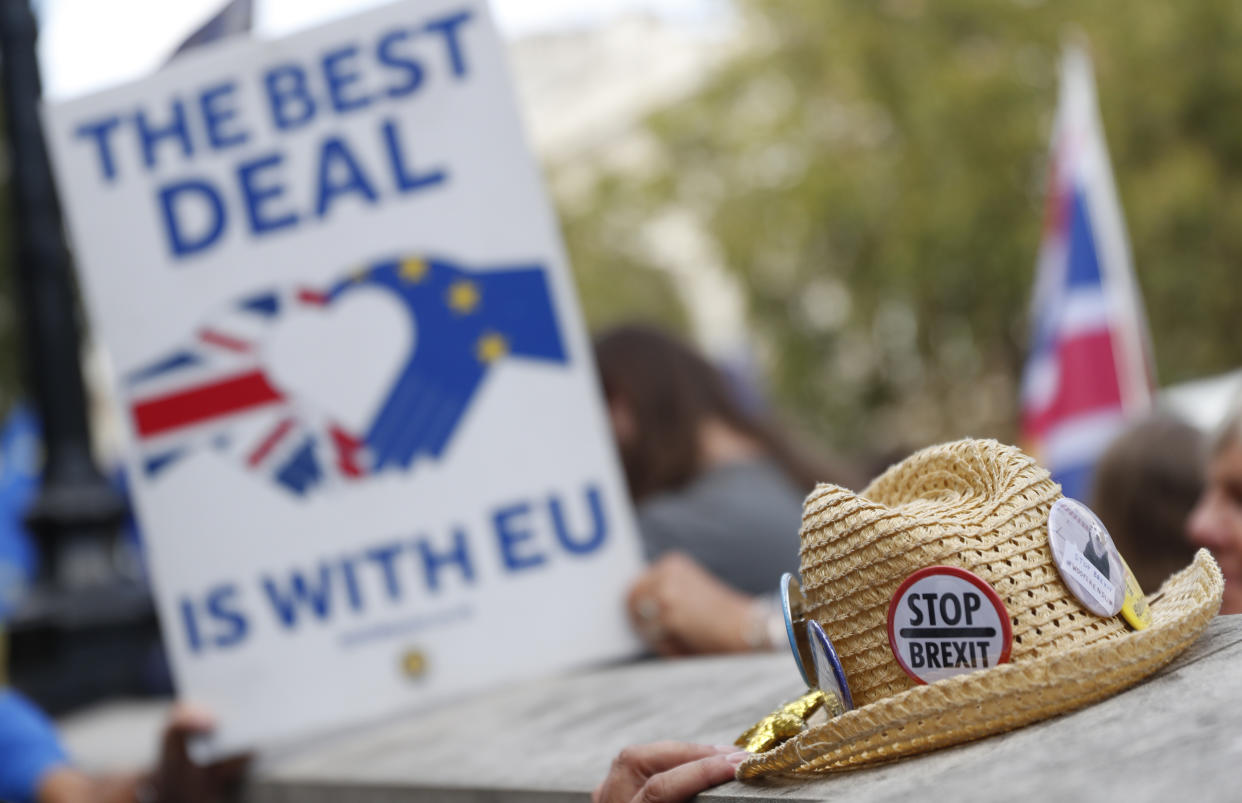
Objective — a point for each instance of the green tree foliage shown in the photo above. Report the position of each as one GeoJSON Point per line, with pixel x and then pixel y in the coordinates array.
{"type": "Point", "coordinates": [615, 279]}
{"type": "Point", "coordinates": [873, 172]}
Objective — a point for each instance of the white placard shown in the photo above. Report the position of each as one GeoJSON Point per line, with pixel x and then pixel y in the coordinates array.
{"type": "Point", "coordinates": [367, 447]}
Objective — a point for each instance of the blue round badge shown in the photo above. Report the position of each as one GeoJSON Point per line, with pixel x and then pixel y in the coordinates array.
{"type": "Point", "coordinates": [829, 675]}
{"type": "Point", "coordinates": [793, 606]}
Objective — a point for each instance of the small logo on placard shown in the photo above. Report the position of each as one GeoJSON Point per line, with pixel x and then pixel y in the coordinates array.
{"type": "Point", "coordinates": [944, 621]}
{"type": "Point", "coordinates": [1086, 557]}
{"type": "Point", "coordinates": [413, 663]}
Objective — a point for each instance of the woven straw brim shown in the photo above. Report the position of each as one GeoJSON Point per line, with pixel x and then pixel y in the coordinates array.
{"type": "Point", "coordinates": [1009, 696]}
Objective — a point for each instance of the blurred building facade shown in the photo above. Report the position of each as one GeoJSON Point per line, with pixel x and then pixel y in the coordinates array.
{"type": "Point", "coordinates": [586, 96]}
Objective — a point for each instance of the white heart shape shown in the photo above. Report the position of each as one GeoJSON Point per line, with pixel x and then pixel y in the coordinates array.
{"type": "Point", "coordinates": [340, 360]}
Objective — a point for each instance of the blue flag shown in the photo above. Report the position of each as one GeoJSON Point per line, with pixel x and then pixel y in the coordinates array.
{"type": "Point", "coordinates": [235, 17]}
{"type": "Point", "coordinates": [19, 481]}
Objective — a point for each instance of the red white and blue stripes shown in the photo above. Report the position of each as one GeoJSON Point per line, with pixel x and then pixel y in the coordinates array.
{"type": "Point", "coordinates": [1090, 366]}
{"type": "Point", "coordinates": [216, 392]}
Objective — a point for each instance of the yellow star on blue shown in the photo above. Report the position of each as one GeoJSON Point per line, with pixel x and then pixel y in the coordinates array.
{"type": "Point", "coordinates": [413, 270]}
{"type": "Point", "coordinates": [491, 346]}
{"type": "Point", "coordinates": [463, 296]}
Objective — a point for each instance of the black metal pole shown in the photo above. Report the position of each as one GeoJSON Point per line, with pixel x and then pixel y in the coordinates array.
{"type": "Point", "coordinates": [87, 630]}
{"type": "Point", "coordinates": [76, 511]}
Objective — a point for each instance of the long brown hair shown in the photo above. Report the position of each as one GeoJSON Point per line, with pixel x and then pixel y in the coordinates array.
{"type": "Point", "coordinates": [1144, 488]}
{"type": "Point", "coordinates": [671, 391]}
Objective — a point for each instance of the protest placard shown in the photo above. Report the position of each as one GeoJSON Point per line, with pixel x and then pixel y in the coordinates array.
{"type": "Point", "coordinates": [367, 448]}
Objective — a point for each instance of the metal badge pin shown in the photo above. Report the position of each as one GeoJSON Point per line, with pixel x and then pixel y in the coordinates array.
{"type": "Point", "coordinates": [1086, 557]}
{"type": "Point", "coordinates": [1135, 609]}
{"type": "Point", "coordinates": [829, 676]}
{"type": "Point", "coordinates": [945, 621]}
{"type": "Point", "coordinates": [793, 605]}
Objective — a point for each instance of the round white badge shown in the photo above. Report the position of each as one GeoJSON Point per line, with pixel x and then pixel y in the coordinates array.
{"type": "Point", "coordinates": [944, 621]}
{"type": "Point", "coordinates": [1086, 557]}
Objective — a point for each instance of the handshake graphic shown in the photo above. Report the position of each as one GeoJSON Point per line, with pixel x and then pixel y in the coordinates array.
{"type": "Point", "coordinates": [359, 396]}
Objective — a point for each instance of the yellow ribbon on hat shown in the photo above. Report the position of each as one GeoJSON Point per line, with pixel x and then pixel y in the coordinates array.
{"type": "Point", "coordinates": [788, 721]}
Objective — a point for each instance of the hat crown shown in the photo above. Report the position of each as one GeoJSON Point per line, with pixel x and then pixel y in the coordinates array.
{"type": "Point", "coordinates": [974, 504]}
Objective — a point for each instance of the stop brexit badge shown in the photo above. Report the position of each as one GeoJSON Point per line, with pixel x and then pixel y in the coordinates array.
{"type": "Point", "coordinates": [944, 621]}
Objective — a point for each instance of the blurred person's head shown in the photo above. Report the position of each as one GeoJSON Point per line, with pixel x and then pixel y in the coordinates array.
{"type": "Point", "coordinates": [1216, 522]}
{"type": "Point", "coordinates": [1144, 488]}
{"type": "Point", "coordinates": [674, 414]}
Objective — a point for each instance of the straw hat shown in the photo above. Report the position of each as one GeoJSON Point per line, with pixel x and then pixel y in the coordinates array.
{"type": "Point", "coordinates": [983, 507]}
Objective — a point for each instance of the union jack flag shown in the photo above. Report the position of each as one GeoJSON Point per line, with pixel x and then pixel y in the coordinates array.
{"type": "Point", "coordinates": [1090, 364]}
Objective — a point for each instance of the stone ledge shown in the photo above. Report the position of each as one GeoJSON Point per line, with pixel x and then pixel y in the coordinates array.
{"type": "Point", "coordinates": [1175, 736]}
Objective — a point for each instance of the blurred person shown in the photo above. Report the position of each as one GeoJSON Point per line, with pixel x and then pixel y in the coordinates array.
{"type": "Point", "coordinates": [1216, 522]}
{"type": "Point", "coordinates": [1145, 486]}
{"type": "Point", "coordinates": [718, 492]}
{"type": "Point", "coordinates": [34, 767]}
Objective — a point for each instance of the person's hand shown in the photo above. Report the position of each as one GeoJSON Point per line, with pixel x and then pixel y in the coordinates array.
{"type": "Point", "coordinates": [666, 772]}
{"type": "Point", "coordinates": [176, 777]}
{"type": "Point", "coordinates": [679, 608]}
